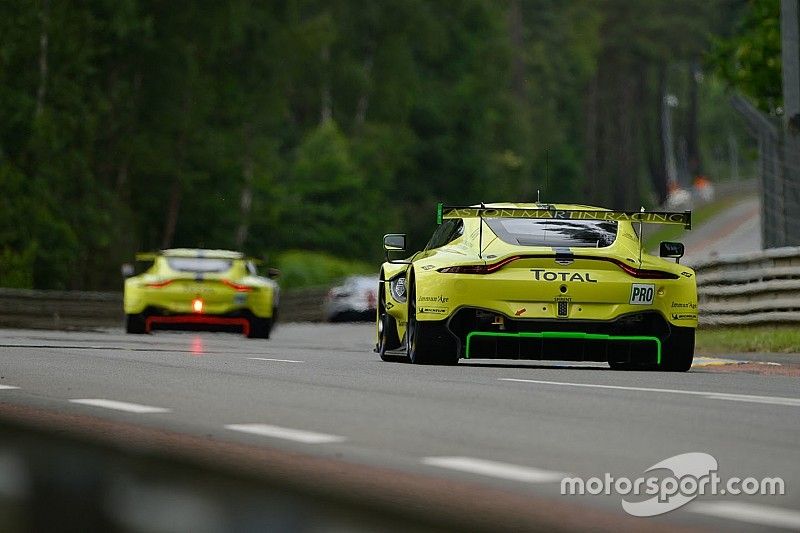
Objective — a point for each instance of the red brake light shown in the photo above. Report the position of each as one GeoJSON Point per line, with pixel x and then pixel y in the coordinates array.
{"type": "Point", "coordinates": [160, 284]}
{"type": "Point", "coordinates": [643, 273]}
{"type": "Point", "coordinates": [478, 269]}
{"type": "Point", "coordinates": [236, 286]}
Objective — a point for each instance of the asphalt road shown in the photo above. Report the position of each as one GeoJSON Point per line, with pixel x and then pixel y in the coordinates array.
{"type": "Point", "coordinates": [320, 392]}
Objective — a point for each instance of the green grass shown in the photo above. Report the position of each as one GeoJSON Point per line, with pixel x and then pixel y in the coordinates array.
{"type": "Point", "coordinates": [300, 268]}
{"type": "Point", "coordinates": [652, 238]}
{"type": "Point", "coordinates": [779, 339]}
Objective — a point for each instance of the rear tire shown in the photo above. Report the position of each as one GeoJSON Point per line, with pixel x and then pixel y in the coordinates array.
{"type": "Point", "coordinates": [677, 351]}
{"type": "Point", "coordinates": [387, 330]}
{"type": "Point", "coordinates": [428, 343]}
{"type": "Point", "coordinates": [260, 328]}
{"type": "Point", "coordinates": [136, 324]}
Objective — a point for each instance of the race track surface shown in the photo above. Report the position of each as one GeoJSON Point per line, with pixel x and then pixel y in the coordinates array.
{"type": "Point", "coordinates": [319, 392]}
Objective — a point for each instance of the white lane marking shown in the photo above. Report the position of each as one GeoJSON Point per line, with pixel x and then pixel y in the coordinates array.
{"type": "Point", "coordinates": [297, 435]}
{"type": "Point", "coordinates": [748, 512]}
{"type": "Point", "coordinates": [7, 387]}
{"type": "Point", "coordinates": [275, 360]}
{"type": "Point", "coordinates": [495, 469]}
{"type": "Point", "coordinates": [121, 406]}
{"type": "Point", "coordinates": [773, 400]}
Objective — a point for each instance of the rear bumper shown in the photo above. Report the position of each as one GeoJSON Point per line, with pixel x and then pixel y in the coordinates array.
{"type": "Point", "coordinates": [205, 321]}
{"type": "Point", "coordinates": [636, 337]}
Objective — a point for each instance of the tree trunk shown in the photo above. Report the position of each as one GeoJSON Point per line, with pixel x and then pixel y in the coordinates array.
{"type": "Point", "coordinates": [326, 111]}
{"type": "Point", "coordinates": [44, 38]}
{"type": "Point", "coordinates": [246, 198]}
{"type": "Point", "coordinates": [695, 167]}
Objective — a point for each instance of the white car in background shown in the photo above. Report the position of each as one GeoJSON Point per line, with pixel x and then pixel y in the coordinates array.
{"type": "Point", "coordinates": [354, 299]}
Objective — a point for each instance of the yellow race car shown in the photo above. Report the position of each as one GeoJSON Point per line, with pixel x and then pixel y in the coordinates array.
{"type": "Point", "coordinates": [201, 288]}
{"type": "Point", "coordinates": [541, 282]}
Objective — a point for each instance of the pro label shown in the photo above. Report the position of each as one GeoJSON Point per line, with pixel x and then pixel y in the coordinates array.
{"type": "Point", "coordinates": [642, 293]}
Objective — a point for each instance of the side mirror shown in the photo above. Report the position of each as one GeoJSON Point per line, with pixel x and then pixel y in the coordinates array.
{"type": "Point", "coordinates": [671, 249]}
{"type": "Point", "coordinates": [273, 273]}
{"type": "Point", "coordinates": [394, 242]}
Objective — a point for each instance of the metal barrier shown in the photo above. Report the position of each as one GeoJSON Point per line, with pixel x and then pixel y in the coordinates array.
{"type": "Point", "coordinates": [22, 308]}
{"type": "Point", "coordinates": [754, 288]}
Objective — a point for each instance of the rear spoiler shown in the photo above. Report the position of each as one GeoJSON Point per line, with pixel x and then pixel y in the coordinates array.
{"type": "Point", "coordinates": [444, 212]}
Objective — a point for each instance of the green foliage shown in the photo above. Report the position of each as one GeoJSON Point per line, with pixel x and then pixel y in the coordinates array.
{"type": "Point", "coordinates": [136, 124]}
{"type": "Point", "coordinates": [303, 268]}
{"type": "Point", "coordinates": [750, 60]}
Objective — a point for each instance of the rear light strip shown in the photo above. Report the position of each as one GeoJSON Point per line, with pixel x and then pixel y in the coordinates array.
{"type": "Point", "coordinates": [494, 267]}
{"type": "Point", "coordinates": [160, 284]}
{"type": "Point", "coordinates": [236, 286]}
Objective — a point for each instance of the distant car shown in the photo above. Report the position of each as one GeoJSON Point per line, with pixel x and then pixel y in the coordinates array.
{"type": "Point", "coordinates": [201, 288]}
{"type": "Point", "coordinates": [355, 299]}
{"type": "Point", "coordinates": [541, 282]}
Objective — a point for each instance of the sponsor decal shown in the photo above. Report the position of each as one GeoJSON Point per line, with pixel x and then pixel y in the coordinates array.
{"type": "Point", "coordinates": [548, 275]}
{"type": "Point", "coordinates": [239, 298]}
{"type": "Point", "coordinates": [686, 305]}
{"type": "Point", "coordinates": [433, 310]}
{"type": "Point", "coordinates": [642, 293]}
{"type": "Point", "coordinates": [518, 312]}
{"type": "Point", "coordinates": [389, 304]}
{"type": "Point", "coordinates": [438, 299]}
{"type": "Point", "coordinates": [565, 214]}
{"type": "Point", "coordinates": [562, 299]}
{"type": "Point", "coordinates": [684, 316]}
{"type": "Point", "coordinates": [686, 274]}
{"type": "Point", "coordinates": [428, 267]}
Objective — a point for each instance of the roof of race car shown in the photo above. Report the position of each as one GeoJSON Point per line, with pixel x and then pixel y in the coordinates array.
{"type": "Point", "coordinates": [199, 252]}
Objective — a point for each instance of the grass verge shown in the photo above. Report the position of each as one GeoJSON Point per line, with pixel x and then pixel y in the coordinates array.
{"type": "Point", "coordinates": [777, 339]}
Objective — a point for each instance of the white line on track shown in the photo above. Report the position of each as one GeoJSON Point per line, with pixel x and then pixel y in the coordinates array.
{"type": "Point", "coordinates": [495, 469]}
{"type": "Point", "coordinates": [297, 435]}
{"type": "Point", "coordinates": [275, 360]}
{"type": "Point", "coordinates": [772, 400]}
{"type": "Point", "coordinates": [747, 512]}
{"type": "Point", "coordinates": [7, 387]}
{"type": "Point", "coordinates": [121, 406]}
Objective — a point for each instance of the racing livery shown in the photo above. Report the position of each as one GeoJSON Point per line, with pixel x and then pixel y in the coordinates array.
{"type": "Point", "coordinates": [204, 288]}
{"type": "Point", "coordinates": [539, 281]}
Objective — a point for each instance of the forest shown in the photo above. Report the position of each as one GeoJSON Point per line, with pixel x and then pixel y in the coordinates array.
{"type": "Point", "coordinates": [312, 127]}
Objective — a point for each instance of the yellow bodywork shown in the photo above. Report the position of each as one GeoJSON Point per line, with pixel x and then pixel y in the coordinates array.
{"type": "Point", "coordinates": [594, 286]}
{"type": "Point", "coordinates": [170, 291]}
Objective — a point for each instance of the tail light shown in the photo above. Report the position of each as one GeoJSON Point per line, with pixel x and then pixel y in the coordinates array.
{"type": "Point", "coordinates": [197, 305]}
{"type": "Point", "coordinates": [160, 284]}
{"type": "Point", "coordinates": [488, 269]}
{"type": "Point", "coordinates": [478, 269]}
{"type": "Point", "coordinates": [643, 273]}
{"type": "Point", "coordinates": [236, 286]}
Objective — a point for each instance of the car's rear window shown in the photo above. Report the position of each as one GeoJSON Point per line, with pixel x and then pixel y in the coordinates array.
{"type": "Point", "coordinates": [556, 233]}
{"type": "Point", "coordinates": [199, 264]}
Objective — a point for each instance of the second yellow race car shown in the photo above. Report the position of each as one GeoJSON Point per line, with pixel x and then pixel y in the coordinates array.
{"type": "Point", "coordinates": [542, 282]}
{"type": "Point", "coordinates": [201, 288]}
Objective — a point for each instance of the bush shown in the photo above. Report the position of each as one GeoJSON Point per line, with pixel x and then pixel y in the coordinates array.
{"type": "Point", "coordinates": [301, 268]}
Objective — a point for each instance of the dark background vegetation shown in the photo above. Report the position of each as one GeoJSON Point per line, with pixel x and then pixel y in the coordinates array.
{"type": "Point", "coordinates": [318, 125]}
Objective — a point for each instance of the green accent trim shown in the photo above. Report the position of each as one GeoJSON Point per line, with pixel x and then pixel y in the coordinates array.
{"type": "Point", "coordinates": [439, 209]}
{"type": "Point", "coordinates": [566, 335]}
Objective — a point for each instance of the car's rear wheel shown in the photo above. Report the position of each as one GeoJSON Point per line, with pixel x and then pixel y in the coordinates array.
{"type": "Point", "coordinates": [260, 328]}
{"type": "Point", "coordinates": [428, 343]}
{"type": "Point", "coordinates": [387, 330]}
{"type": "Point", "coordinates": [677, 351]}
{"type": "Point", "coordinates": [136, 323]}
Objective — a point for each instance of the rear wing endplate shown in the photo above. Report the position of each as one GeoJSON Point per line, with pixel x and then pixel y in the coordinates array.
{"type": "Point", "coordinates": [684, 219]}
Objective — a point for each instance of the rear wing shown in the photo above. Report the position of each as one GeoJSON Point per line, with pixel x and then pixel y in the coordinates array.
{"type": "Point", "coordinates": [444, 212]}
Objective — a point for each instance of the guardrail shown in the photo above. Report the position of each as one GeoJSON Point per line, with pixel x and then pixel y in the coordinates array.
{"type": "Point", "coordinates": [22, 308]}
{"type": "Point", "coordinates": [753, 288]}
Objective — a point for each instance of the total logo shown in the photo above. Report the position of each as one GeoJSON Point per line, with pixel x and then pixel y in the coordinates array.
{"type": "Point", "coordinates": [540, 274]}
